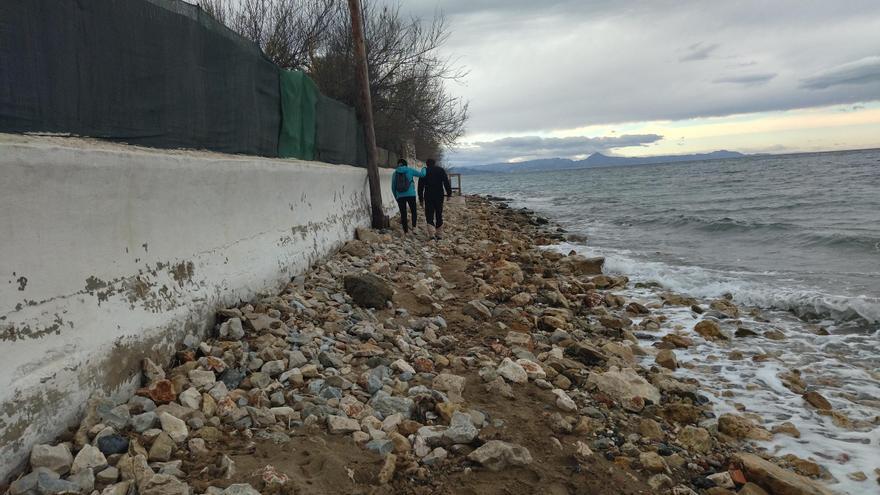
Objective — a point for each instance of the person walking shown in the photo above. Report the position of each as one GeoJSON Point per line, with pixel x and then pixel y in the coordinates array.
{"type": "Point", "coordinates": [431, 189]}
{"type": "Point", "coordinates": [405, 192]}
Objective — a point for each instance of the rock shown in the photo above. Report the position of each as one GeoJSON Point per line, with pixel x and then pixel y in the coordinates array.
{"type": "Point", "coordinates": [274, 368]}
{"type": "Point", "coordinates": [143, 422]}
{"type": "Point", "coordinates": [435, 456]}
{"type": "Point", "coordinates": [477, 310]}
{"type": "Point", "coordinates": [89, 457]}
{"type": "Point", "coordinates": [201, 379]}
{"type": "Point", "coordinates": [163, 484]}
{"type": "Point", "coordinates": [161, 392]}
{"type": "Point", "coordinates": [112, 444]}
{"type": "Point", "coordinates": [742, 428]}
{"type": "Point", "coordinates": [512, 371]}
{"type": "Point", "coordinates": [624, 385]}
{"type": "Point", "coordinates": [366, 235]}
{"type": "Point", "coordinates": [84, 480]}
{"type": "Point", "coordinates": [368, 290]}
{"type": "Point", "coordinates": [27, 484]}
{"type": "Point", "coordinates": [162, 448]}
{"type": "Point", "coordinates": [563, 401]}
{"type": "Point", "coordinates": [356, 248]}
{"type": "Point", "coordinates": [722, 479]}
{"type": "Point", "coordinates": [695, 439]}
{"type": "Point", "coordinates": [650, 429]}
{"type": "Point", "coordinates": [152, 371]}
{"type": "Point", "coordinates": [775, 479]}
{"type": "Point", "coordinates": [386, 474]}
{"type": "Point", "coordinates": [453, 385]}
{"type": "Point", "coordinates": [232, 329]}
{"type": "Point", "coordinates": [107, 476]}
{"type": "Point", "coordinates": [190, 398]}
{"type": "Point", "coordinates": [787, 428]}
{"type": "Point", "coordinates": [47, 484]}
{"type": "Point", "coordinates": [582, 450]}
{"type": "Point", "coordinates": [174, 427]}
{"type": "Point", "coordinates": [533, 370]}
{"type": "Point", "coordinates": [709, 330]}
{"type": "Point", "coordinates": [677, 341]}
{"type": "Point", "coordinates": [386, 404]}
{"type": "Point", "coordinates": [338, 425]}
{"type": "Point", "coordinates": [652, 462]}
{"type": "Point", "coordinates": [56, 458]}
{"type": "Point", "coordinates": [581, 265]}
{"type": "Point", "coordinates": [752, 489]}
{"type": "Point", "coordinates": [816, 400]}
{"type": "Point", "coordinates": [659, 482]}
{"type": "Point", "coordinates": [461, 429]}
{"type": "Point", "coordinates": [666, 358]}
{"type": "Point", "coordinates": [497, 455]}
{"type": "Point", "coordinates": [240, 489]}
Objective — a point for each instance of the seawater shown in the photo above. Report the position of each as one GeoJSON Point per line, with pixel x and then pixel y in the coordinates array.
{"type": "Point", "coordinates": [796, 236]}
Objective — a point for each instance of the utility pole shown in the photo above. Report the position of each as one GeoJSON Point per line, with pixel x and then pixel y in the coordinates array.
{"type": "Point", "coordinates": [365, 109]}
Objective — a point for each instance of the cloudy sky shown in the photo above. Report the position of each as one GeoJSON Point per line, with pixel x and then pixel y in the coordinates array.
{"type": "Point", "coordinates": [571, 77]}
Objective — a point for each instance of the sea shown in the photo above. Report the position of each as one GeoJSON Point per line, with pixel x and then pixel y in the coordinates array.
{"type": "Point", "coordinates": [793, 239]}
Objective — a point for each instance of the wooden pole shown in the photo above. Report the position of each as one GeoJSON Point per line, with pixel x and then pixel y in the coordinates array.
{"type": "Point", "coordinates": [365, 110]}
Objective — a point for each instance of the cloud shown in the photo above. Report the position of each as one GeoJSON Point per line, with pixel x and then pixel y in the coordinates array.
{"type": "Point", "coordinates": [746, 80]}
{"type": "Point", "coordinates": [699, 51]}
{"type": "Point", "coordinates": [862, 71]}
{"type": "Point", "coordinates": [534, 147]}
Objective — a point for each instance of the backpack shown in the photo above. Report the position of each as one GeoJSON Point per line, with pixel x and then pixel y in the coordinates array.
{"type": "Point", "coordinates": [401, 182]}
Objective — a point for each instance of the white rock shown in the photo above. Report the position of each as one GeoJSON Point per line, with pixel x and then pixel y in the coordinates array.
{"type": "Point", "coordinates": [512, 371]}
{"type": "Point", "coordinates": [232, 329]}
{"type": "Point", "coordinates": [88, 458]}
{"type": "Point", "coordinates": [533, 369]}
{"type": "Point", "coordinates": [563, 401]}
{"type": "Point", "coordinates": [174, 427]}
{"type": "Point", "coordinates": [190, 398]}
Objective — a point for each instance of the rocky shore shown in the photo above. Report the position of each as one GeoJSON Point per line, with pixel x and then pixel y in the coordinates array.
{"type": "Point", "coordinates": [482, 363]}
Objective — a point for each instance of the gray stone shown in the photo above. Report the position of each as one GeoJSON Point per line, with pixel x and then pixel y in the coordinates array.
{"type": "Point", "coordinates": [57, 458]}
{"type": "Point", "coordinates": [143, 422]}
{"type": "Point", "coordinates": [190, 398]}
{"type": "Point", "coordinates": [112, 444]}
{"type": "Point", "coordinates": [118, 417]}
{"type": "Point", "coordinates": [232, 329]}
{"type": "Point", "coordinates": [435, 456]}
{"type": "Point", "coordinates": [201, 379]}
{"type": "Point", "coordinates": [461, 429]}
{"type": "Point", "coordinates": [273, 368]}
{"type": "Point", "coordinates": [497, 455]}
{"type": "Point", "coordinates": [162, 448]}
{"type": "Point", "coordinates": [85, 480]}
{"type": "Point", "coordinates": [48, 484]}
{"type": "Point", "coordinates": [386, 404]}
{"type": "Point", "coordinates": [27, 484]}
{"type": "Point", "coordinates": [107, 476]}
{"type": "Point", "coordinates": [295, 359]}
{"type": "Point", "coordinates": [380, 446]}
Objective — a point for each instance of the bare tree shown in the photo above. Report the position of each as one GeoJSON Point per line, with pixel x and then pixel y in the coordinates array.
{"type": "Point", "coordinates": [407, 73]}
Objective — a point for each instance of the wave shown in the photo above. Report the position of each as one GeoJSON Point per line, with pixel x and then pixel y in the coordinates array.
{"type": "Point", "coordinates": [708, 283]}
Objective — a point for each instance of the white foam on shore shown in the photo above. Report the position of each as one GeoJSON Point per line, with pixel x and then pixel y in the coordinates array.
{"type": "Point", "coordinates": [707, 283]}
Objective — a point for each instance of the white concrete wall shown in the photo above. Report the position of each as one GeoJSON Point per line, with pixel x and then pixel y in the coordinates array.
{"type": "Point", "coordinates": [112, 253]}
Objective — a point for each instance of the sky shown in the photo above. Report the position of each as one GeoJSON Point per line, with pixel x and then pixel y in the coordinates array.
{"type": "Point", "coordinates": [566, 78]}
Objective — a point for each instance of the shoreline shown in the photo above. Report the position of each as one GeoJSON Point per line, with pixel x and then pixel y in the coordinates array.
{"type": "Point", "coordinates": [499, 366]}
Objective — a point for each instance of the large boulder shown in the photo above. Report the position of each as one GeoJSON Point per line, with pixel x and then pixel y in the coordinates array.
{"type": "Point", "coordinates": [742, 428]}
{"type": "Point", "coordinates": [581, 265]}
{"type": "Point", "coordinates": [497, 455]}
{"type": "Point", "coordinates": [775, 479]}
{"type": "Point", "coordinates": [368, 290]}
{"type": "Point", "coordinates": [624, 385]}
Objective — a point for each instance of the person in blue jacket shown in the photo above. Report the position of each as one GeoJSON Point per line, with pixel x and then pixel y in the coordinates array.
{"type": "Point", "coordinates": [404, 190]}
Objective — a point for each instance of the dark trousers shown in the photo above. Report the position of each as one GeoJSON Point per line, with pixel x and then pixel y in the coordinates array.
{"type": "Point", "coordinates": [401, 203]}
{"type": "Point", "coordinates": [434, 211]}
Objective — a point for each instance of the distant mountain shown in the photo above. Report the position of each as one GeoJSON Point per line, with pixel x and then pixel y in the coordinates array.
{"type": "Point", "coordinates": [594, 160]}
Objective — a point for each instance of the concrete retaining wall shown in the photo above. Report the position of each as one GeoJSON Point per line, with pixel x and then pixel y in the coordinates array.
{"type": "Point", "coordinates": [110, 254]}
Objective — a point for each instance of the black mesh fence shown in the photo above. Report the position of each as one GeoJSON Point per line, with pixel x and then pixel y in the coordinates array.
{"type": "Point", "coordinates": [161, 73]}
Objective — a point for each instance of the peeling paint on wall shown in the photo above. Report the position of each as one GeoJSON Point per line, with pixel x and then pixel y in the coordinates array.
{"type": "Point", "coordinates": [93, 310]}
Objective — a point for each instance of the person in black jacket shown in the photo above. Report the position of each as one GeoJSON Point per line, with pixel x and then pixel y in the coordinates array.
{"type": "Point", "coordinates": [431, 189]}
